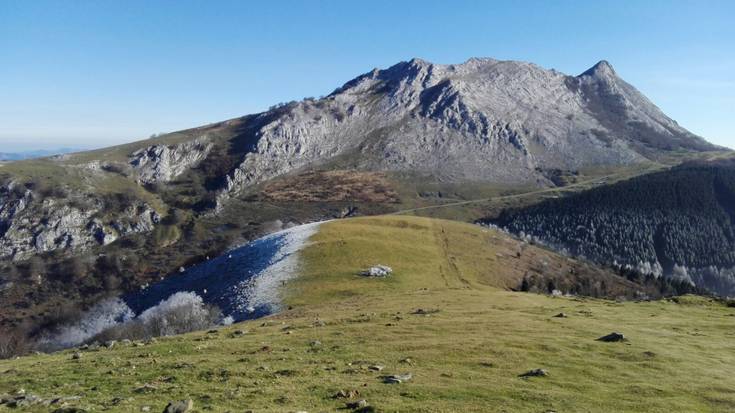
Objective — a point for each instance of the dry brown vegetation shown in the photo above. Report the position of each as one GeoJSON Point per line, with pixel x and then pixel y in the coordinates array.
{"type": "Point", "coordinates": [332, 186]}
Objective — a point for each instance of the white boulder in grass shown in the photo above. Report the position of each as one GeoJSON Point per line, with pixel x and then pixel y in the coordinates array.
{"type": "Point", "coordinates": [378, 271]}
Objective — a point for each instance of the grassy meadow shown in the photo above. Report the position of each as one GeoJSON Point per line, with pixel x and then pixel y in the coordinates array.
{"type": "Point", "coordinates": [445, 315]}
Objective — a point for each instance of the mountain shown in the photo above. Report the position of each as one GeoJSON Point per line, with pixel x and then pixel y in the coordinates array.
{"type": "Point", "coordinates": [678, 223]}
{"type": "Point", "coordinates": [79, 227]}
{"type": "Point", "coordinates": [484, 120]}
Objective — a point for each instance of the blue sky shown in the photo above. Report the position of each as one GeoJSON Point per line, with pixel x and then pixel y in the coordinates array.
{"type": "Point", "coordinates": [95, 73]}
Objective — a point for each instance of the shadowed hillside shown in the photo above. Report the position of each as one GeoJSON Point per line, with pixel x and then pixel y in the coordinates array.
{"type": "Point", "coordinates": [677, 223]}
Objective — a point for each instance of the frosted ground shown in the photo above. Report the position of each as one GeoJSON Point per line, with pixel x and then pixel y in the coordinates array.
{"type": "Point", "coordinates": [243, 283]}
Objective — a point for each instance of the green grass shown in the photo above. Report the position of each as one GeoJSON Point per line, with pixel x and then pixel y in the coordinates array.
{"type": "Point", "coordinates": [466, 357]}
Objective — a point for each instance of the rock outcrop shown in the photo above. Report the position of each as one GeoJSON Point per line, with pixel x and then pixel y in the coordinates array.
{"type": "Point", "coordinates": [32, 224]}
{"type": "Point", "coordinates": [162, 163]}
{"type": "Point", "coordinates": [377, 271]}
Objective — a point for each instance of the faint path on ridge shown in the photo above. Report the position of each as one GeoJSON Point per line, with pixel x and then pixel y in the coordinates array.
{"type": "Point", "coordinates": [523, 194]}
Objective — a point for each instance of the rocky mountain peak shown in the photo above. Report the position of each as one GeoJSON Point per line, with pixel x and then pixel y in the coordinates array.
{"type": "Point", "coordinates": [395, 77]}
{"type": "Point", "coordinates": [479, 61]}
{"type": "Point", "coordinates": [602, 70]}
{"type": "Point", "coordinates": [483, 119]}
{"type": "Point", "coordinates": [409, 71]}
{"type": "Point", "coordinates": [418, 62]}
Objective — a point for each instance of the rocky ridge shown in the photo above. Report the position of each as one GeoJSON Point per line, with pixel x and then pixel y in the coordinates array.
{"type": "Point", "coordinates": [485, 120]}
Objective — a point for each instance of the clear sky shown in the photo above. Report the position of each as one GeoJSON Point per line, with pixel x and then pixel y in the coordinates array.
{"type": "Point", "coordinates": [95, 73]}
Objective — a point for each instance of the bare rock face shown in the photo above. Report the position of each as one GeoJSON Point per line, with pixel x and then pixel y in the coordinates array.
{"type": "Point", "coordinates": [483, 120]}
{"type": "Point", "coordinates": [162, 163]}
{"type": "Point", "coordinates": [30, 224]}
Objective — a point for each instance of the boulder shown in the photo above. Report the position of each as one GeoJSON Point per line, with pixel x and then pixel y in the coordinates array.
{"type": "Point", "coordinates": [535, 373]}
{"type": "Point", "coordinates": [377, 271]}
{"type": "Point", "coordinates": [424, 311]}
{"type": "Point", "coordinates": [146, 388]}
{"type": "Point", "coordinates": [181, 406]}
{"type": "Point", "coordinates": [612, 338]}
{"type": "Point", "coordinates": [359, 404]}
{"type": "Point", "coordinates": [397, 378]}
{"type": "Point", "coordinates": [346, 394]}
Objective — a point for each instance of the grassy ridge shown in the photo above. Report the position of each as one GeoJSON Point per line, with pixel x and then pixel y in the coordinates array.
{"type": "Point", "coordinates": [465, 353]}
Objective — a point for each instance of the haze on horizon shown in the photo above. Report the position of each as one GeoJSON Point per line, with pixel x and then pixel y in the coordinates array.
{"type": "Point", "coordinates": [93, 74]}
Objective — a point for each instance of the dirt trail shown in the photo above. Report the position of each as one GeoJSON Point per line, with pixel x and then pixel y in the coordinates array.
{"type": "Point", "coordinates": [451, 273]}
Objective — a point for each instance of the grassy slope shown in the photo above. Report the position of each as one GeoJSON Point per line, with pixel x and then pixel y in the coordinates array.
{"type": "Point", "coordinates": [466, 357]}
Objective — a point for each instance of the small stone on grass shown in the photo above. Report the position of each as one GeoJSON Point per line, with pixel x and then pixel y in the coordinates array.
{"type": "Point", "coordinates": [612, 338]}
{"type": "Point", "coordinates": [535, 373]}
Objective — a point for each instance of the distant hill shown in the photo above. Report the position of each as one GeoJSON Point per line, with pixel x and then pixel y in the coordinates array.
{"type": "Point", "coordinates": [677, 223]}
{"type": "Point", "coordinates": [41, 153]}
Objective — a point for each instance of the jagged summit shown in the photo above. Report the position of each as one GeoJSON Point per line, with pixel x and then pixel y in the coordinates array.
{"type": "Point", "coordinates": [603, 68]}
{"type": "Point", "coordinates": [484, 119]}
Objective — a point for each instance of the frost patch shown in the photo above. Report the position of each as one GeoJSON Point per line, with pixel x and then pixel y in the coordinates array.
{"type": "Point", "coordinates": [262, 290]}
{"type": "Point", "coordinates": [102, 316]}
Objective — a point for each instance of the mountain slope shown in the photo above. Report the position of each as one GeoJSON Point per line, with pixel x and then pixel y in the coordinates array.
{"type": "Point", "coordinates": [245, 282]}
{"type": "Point", "coordinates": [678, 223]}
{"type": "Point", "coordinates": [465, 344]}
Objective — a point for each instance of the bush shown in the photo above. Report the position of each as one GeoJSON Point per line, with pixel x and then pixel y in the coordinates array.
{"type": "Point", "coordinates": [13, 344]}
{"type": "Point", "coordinates": [119, 201]}
{"type": "Point", "coordinates": [46, 189]}
{"type": "Point", "coordinates": [110, 263]}
{"type": "Point", "coordinates": [73, 269]}
{"type": "Point", "coordinates": [61, 314]}
{"type": "Point", "coordinates": [182, 312]}
{"type": "Point", "coordinates": [115, 168]}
